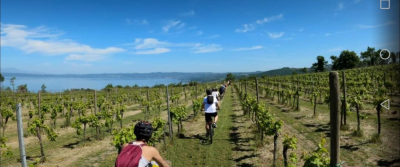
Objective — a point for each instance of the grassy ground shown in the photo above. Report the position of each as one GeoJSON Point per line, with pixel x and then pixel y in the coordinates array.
{"type": "Point", "coordinates": [235, 141]}
{"type": "Point", "coordinates": [69, 149]}
{"type": "Point", "coordinates": [355, 151]}
{"type": "Point", "coordinates": [194, 149]}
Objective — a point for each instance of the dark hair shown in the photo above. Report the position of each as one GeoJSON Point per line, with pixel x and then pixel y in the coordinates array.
{"type": "Point", "coordinates": [143, 131]}
{"type": "Point", "coordinates": [208, 91]}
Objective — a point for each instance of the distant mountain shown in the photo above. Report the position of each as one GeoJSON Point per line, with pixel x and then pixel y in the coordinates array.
{"type": "Point", "coordinates": [12, 70]}
{"type": "Point", "coordinates": [198, 76]}
{"type": "Point", "coordinates": [281, 71]}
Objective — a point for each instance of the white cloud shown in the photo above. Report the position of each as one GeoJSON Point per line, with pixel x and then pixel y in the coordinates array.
{"type": "Point", "coordinates": [269, 19]}
{"type": "Point", "coordinates": [250, 27]}
{"type": "Point", "coordinates": [142, 22]}
{"type": "Point", "coordinates": [190, 13]}
{"type": "Point", "coordinates": [149, 43]}
{"type": "Point", "coordinates": [128, 21]}
{"type": "Point", "coordinates": [327, 34]}
{"type": "Point", "coordinates": [301, 30]}
{"type": "Point", "coordinates": [42, 40]}
{"type": "Point", "coordinates": [85, 57]}
{"type": "Point", "coordinates": [74, 64]}
{"type": "Point", "coordinates": [199, 33]}
{"type": "Point", "coordinates": [207, 48]}
{"type": "Point", "coordinates": [335, 49]}
{"type": "Point", "coordinates": [251, 48]}
{"type": "Point", "coordinates": [181, 26]}
{"type": "Point", "coordinates": [375, 26]}
{"type": "Point", "coordinates": [275, 35]}
{"type": "Point", "coordinates": [356, 1]}
{"type": "Point", "coordinates": [246, 28]}
{"type": "Point", "coordinates": [340, 6]}
{"type": "Point", "coordinates": [212, 36]}
{"type": "Point", "coordinates": [153, 51]}
{"type": "Point", "coordinates": [182, 30]}
{"type": "Point", "coordinates": [171, 24]}
{"type": "Point", "coordinates": [154, 46]}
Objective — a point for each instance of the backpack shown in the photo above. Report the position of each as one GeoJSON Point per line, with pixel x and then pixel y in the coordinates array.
{"type": "Point", "coordinates": [221, 89]}
{"type": "Point", "coordinates": [210, 99]}
{"type": "Point", "coordinates": [130, 156]}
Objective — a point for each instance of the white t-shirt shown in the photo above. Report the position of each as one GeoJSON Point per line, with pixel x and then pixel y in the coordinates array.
{"type": "Point", "coordinates": [215, 94]}
{"type": "Point", "coordinates": [210, 108]}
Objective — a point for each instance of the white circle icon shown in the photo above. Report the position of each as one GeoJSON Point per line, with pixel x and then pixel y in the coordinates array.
{"type": "Point", "coordinates": [384, 58]}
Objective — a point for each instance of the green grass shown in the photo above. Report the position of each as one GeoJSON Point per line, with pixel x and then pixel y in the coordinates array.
{"type": "Point", "coordinates": [198, 151]}
{"type": "Point", "coordinates": [304, 123]}
{"type": "Point", "coordinates": [69, 140]}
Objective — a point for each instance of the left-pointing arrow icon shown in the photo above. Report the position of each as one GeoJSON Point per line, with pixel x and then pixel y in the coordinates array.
{"type": "Point", "coordinates": [386, 104]}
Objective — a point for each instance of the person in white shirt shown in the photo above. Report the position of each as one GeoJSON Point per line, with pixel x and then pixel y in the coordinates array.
{"type": "Point", "coordinates": [215, 93]}
{"type": "Point", "coordinates": [210, 107]}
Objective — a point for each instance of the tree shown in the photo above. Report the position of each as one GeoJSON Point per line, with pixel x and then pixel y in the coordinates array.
{"type": "Point", "coordinates": [108, 87]}
{"type": "Point", "coordinates": [394, 57]}
{"type": "Point", "coordinates": [92, 120]}
{"type": "Point", "coordinates": [289, 143]}
{"type": "Point", "coordinates": [381, 61]}
{"type": "Point", "coordinates": [34, 128]}
{"type": "Point", "coordinates": [1, 78]}
{"type": "Point", "coordinates": [356, 101]}
{"type": "Point", "coordinates": [12, 82]}
{"type": "Point", "coordinates": [304, 70]}
{"type": "Point", "coordinates": [230, 77]}
{"type": "Point", "coordinates": [22, 88]}
{"type": "Point", "coordinates": [346, 60]}
{"type": "Point", "coordinates": [370, 56]}
{"type": "Point", "coordinates": [6, 114]}
{"type": "Point", "coordinates": [44, 88]}
{"type": "Point", "coordinates": [320, 65]}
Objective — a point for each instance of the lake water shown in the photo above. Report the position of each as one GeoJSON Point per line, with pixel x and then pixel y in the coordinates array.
{"type": "Point", "coordinates": [59, 84]}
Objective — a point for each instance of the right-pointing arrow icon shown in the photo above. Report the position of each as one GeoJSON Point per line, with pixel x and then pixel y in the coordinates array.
{"type": "Point", "coordinates": [387, 102]}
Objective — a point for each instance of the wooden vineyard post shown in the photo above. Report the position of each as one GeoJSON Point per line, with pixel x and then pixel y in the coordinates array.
{"type": "Point", "coordinates": [197, 94]}
{"type": "Point", "coordinates": [39, 105]}
{"type": "Point", "coordinates": [39, 111]}
{"type": "Point", "coordinates": [245, 88]}
{"type": "Point", "coordinates": [148, 106]}
{"type": "Point", "coordinates": [334, 89]}
{"type": "Point", "coordinates": [169, 117]}
{"type": "Point", "coordinates": [95, 113]}
{"type": "Point", "coordinates": [344, 98]}
{"type": "Point", "coordinates": [184, 92]}
{"type": "Point", "coordinates": [278, 91]}
{"type": "Point", "coordinates": [253, 115]}
{"type": "Point", "coordinates": [298, 95]}
{"type": "Point", "coordinates": [257, 90]}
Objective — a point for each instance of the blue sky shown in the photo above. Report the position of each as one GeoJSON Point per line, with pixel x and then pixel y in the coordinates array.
{"type": "Point", "coordinates": [98, 36]}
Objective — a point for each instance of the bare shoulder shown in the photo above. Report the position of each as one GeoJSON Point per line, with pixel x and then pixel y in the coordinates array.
{"type": "Point", "coordinates": [124, 145]}
{"type": "Point", "coordinates": [152, 149]}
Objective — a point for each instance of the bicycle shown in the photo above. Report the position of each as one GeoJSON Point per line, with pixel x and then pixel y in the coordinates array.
{"type": "Point", "coordinates": [211, 132]}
